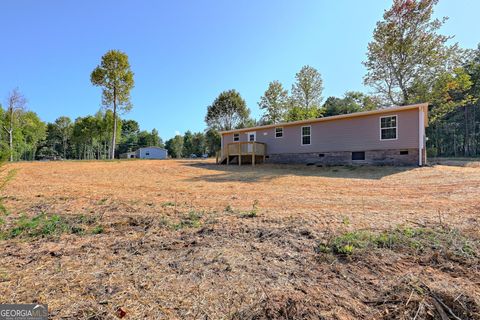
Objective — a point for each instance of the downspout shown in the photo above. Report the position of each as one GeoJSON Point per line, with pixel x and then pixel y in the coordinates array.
{"type": "Point", "coordinates": [421, 133]}
{"type": "Point", "coordinates": [221, 146]}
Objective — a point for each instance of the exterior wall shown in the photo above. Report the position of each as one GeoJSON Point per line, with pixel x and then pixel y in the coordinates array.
{"type": "Point", "coordinates": [153, 153]}
{"type": "Point", "coordinates": [340, 136]}
{"type": "Point", "coordinates": [372, 157]}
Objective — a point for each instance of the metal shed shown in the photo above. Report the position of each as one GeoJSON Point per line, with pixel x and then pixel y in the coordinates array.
{"type": "Point", "coordinates": [151, 153]}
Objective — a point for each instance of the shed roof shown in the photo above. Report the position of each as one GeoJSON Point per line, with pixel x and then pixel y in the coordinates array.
{"type": "Point", "coordinates": [152, 147]}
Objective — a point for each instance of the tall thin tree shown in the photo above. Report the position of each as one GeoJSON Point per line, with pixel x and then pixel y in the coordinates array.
{"type": "Point", "coordinates": [307, 89]}
{"type": "Point", "coordinates": [15, 104]}
{"type": "Point", "coordinates": [116, 79]}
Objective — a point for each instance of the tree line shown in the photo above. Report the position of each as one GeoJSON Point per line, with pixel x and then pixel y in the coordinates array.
{"type": "Point", "coordinates": [86, 137]}
{"type": "Point", "coordinates": [89, 137]}
{"type": "Point", "coordinates": [193, 144]}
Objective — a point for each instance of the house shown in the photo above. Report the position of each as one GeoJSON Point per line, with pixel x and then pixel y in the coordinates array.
{"type": "Point", "coordinates": [389, 136]}
{"type": "Point", "coordinates": [151, 153]}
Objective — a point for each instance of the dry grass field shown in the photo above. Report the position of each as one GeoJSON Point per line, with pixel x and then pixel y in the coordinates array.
{"type": "Point", "coordinates": [193, 240]}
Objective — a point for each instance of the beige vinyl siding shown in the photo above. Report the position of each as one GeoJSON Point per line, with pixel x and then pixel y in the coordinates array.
{"type": "Point", "coordinates": [349, 134]}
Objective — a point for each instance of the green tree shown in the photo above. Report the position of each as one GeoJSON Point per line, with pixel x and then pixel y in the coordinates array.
{"type": "Point", "coordinates": [450, 91]}
{"type": "Point", "coordinates": [307, 90]}
{"type": "Point", "coordinates": [472, 66]}
{"type": "Point", "coordinates": [351, 102]}
{"type": "Point", "coordinates": [274, 103]}
{"type": "Point", "coordinates": [296, 112]}
{"type": "Point", "coordinates": [227, 112]}
{"type": "Point", "coordinates": [130, 127]}
{"type": "Point", "coordinates": [450, 99]}
{"type": "Point", "coordinates": [175, 146]}
{"type": "Point", "coordinates": [91, 135]}
{"type": "Point", "coordinates": [85, 132]}
{"type": "Point", "coordinates": [15, 106]}
{"type": "Point", "coordinates": [156, 139]}
{"type": "Point", "coordinates": [33, 133]}
{"type": "Point", "coordinates": [129, 136]}
{"type": "Point", "coordinates": [407, 49]}
{"type": "Point", "coordinates": [187, 144]}
{"type": "Point", "coordinates": [63, 128]}
{"type": "Point", "coordinates": [116, 79]}
{"type": "Point", "coordinates": [212, 141]}
{"type": "Point", "coordinates": [149, 139]}
{"type": "Point", "coordinates": [198, 144]}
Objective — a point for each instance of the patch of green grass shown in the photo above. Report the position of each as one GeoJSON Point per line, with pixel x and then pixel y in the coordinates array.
{"type": "Point", "coordinates": [249, 214]}
{"type": "Point", "coordinates": [252, 213]}
{"type": "Point", "coordinates": [97, 230]}
{"type": "Point", "coordinates": [191, 220]}
{"type": "Point", "coordinates": [168, 204]}
{"type": "Point", "coordinates": [3, 182]}
{"type": "Point", "coordinates": [44, 225]}
{"type": "Point", "coordinates": [39, 226]}
{"type": "Point", "coordinates": [416, 239]}
{"type": "Point", "coordinates": [3, 275]}
{"type": "Point", "coordinates": [346, 221]}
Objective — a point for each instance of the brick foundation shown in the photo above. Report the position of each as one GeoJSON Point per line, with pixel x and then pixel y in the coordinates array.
{"type": "Point", "coordinates": [372, 157]}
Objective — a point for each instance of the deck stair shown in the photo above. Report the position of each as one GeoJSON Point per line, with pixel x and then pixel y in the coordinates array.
{"type": "Point", "coordinates": [250, 152]}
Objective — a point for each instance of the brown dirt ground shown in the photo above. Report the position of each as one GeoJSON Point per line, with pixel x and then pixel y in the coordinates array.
{"type": "Point", "coordinates": [229, 266]}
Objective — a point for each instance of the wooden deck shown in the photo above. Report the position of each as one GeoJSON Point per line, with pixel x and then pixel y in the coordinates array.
{"type": "Point", "coordinates": [242, 152]}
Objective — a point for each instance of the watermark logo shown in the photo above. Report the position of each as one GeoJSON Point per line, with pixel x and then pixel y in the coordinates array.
{"type": "Point", "coordinates": [23, 312]}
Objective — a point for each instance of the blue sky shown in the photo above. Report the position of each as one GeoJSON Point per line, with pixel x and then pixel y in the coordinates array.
{"type": "Point", "coordinates": [184, 53]}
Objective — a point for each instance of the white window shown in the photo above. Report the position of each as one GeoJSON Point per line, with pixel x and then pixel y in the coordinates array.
{"type": "Point", "coordinates": [306, 135]}
{"type": "Point", "coordinates": [278, 132]}
{"type": "Point", "coordinates": [236, 137]}
{"type": "Point", "coordinates": [252, 136]}
{"type": "Point", "coordinates": [388, 128]}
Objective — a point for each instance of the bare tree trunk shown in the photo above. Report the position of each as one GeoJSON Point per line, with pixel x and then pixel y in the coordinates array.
{"type": "Point", "coordinates": [454, 143]}
{"type": "Point", "coordinates": [112, 150]}
{"type": "Point", "coordinates": [10, 143]}
{"type": "Point", "coordinates": [10, 134]}
{"type": "Point", "coordinates": [474, 133]}
{"type": "Point", "coordinates": [64, 147]}
{"type": "Point", "coordinates": [466, 139]}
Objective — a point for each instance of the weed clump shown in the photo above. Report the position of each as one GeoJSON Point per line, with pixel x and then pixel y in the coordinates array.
{"type": "Point", "coordinates": [416, 239]}
{"type": "Point", "coordinates": [253, 212]}
{"type": "Point", "coordinates": [44, 225]}
{"type": "Point", "coordinates": [191, 220]}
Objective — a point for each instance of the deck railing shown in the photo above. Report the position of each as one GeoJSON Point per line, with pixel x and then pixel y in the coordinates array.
{"type": "Point", "coordinates": [241, 149]}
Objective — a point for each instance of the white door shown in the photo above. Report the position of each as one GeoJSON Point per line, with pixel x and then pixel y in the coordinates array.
{"type": "Point", "coordinates": [252, 136]}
